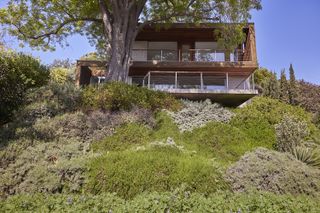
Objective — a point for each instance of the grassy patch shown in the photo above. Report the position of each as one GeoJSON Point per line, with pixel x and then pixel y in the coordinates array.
{"type": "Point", "coordinates": [161, 169]}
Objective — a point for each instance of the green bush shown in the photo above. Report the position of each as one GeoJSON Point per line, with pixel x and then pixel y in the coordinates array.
{"type": "Point", "coordinates": [124, 137]}
{"type": "Point", "coordinates": [290, 133]}
{"type": "Point", "coordinates": [273, 171]}
{"type": "Point", "coordinates": [226, 143]}
{"type": "Point", "coordinates": [160, 169]}
{"type": "Point", "coordinates": [258, 118]}
{"type": "Point", "coordinates": [179, 201]}
{"type": "Point", "coordinates": [18, 73]}
{"type": "Point", "coordinates": [59, 75]}
{"type": "Point", "coordinates": [119, 96]}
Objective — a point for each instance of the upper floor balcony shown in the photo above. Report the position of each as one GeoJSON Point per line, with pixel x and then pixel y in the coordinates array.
{"type": "Point", "coordinates": [189, 55]}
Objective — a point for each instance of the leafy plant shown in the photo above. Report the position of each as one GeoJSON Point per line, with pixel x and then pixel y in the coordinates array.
{"type": "Point", "coordinates": [198, 114]}
{"type": "Point", "coordinates": [267, 170]}
{"type": "Point", "coordinates": [307, 155]}
{"type": "Point", "coordinates": [119, 96]}
{"type": "Point", "coordinates": [290, 133]}
{"type": "Point", "coordinates": [160, 169]}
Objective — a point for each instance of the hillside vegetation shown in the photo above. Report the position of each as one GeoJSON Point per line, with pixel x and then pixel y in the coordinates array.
{"type": "Point", "coordinates": [122, 148]}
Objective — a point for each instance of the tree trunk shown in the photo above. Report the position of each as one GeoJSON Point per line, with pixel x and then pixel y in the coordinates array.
{"type": "Point", "coordinates": [121, 28]}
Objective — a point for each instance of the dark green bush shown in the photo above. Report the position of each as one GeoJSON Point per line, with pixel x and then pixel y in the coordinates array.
{"type": "Point", "coordinates": [18, 73]}
{"type": "Point", "coordinates": [161, 169]}
{"type": "Point", "coordinates": [179, 201]}
{"type": "Point", "coordinates": [119, 96]}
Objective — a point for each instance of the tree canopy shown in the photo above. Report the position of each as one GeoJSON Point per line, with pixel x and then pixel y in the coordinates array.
{"type": "Point", "coordinates": [112, 25]}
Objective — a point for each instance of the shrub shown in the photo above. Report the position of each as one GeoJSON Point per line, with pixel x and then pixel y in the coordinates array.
{"type": "Point", "coordinates": [258, 118]}
{"type": "Point", "coordinates": [59, 75]}
{"type": "Point", "coordinates": [307, 156]}
{"type": "Point", "coordinates": [18, 72]}
{"type": "Point", "coordinates": [290, 133]}
{"type": "Point", "coordinates": [178, 201]}
{"type": "Point", "coordinates": [119, 96]}
{"type": "Point", "coordinates": [226, 143]}
{"type": "Point", "coordinates": [198, 114]}
{"type": "Point", "coordinates": [46, 167]}
{"type": "Point", "coordinates": [275, 172]}
{"type": "Point", "coordinates": [124, 137]}
{"type": "Point", "coordinates": [161, 169]}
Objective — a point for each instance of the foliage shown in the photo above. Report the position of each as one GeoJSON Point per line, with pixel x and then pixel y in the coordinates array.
{"type": "Point", "coordinates": [309, 96]}
{"type": "Point", "coordinates": [272, 88]}
{"type": "Point", "coordinates": [290, 133]}
{"type": "Point", "coordinates": [273, 171]}
{"type": "Point", "coordinates": [284, 88]}
{"type": "Point", "coordinates": [159, 169]}
{"type": "Point", "coordinates": [46, 167]}
{"type": "Point", "coordinates": [119, 96]}
{"type": "Point", "coordinates": [293, 90]}
{"type": "Point", "coordinates": [59, 75]}
{"type": "Point", "coordinates": [258, 119]}
{"type": "Point", "coordinates": [177, 201]}
{"type": "Point", "coordinates": [18, 73]}
{"type": "Point", "coordinates": [226, 143]}
{"type": "Point", "coordinates": [198, 114]}
{"type": "Point", "coordinates": [124, 137]}
{"type": "Point", "coordinates": [307, 155]}
{"type": "Point", "coordinates": [261, 76]}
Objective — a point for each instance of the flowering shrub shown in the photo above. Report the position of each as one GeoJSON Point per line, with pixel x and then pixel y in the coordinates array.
{"type": "Point", "coordinates": [290, 133]}
{"type": "Point", "coordinates": [198, 114]}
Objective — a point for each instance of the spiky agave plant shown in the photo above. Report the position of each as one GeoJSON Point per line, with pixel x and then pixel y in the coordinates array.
{"type": "Point", "coordinates": [307, 155]}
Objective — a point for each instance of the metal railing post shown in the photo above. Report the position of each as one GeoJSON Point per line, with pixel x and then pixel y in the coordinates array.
{"type": "Point", "coordinates": [201, 81]}
{"type": "Point", "coordinates": [160, 55]}
{"type": "Point", "coordinates": [176, 80]}
{"type": "Point", "coordinates": [149, 76]}
{"type": "Point", "coordinates": [253, 85]}
{"type": "Point", "coordinates": [227, 81]}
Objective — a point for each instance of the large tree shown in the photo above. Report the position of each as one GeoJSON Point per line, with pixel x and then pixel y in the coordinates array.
{"type": "Point", "coordinates": [113, 24]}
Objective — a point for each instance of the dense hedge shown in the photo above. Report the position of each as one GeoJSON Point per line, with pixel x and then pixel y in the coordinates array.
{"type": "Point", "coordinates": [179, 201]}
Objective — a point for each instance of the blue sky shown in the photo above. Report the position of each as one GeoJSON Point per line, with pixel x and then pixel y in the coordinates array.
{"type": "Point", "coordinates": [287, 31]}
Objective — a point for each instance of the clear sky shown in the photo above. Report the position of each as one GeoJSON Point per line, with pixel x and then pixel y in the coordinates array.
{"type": "Point", "coordinates": [287, 31]}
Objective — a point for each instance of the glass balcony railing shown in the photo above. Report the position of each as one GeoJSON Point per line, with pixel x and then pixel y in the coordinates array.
{"type": "Point", "coordinates": [197, 55]}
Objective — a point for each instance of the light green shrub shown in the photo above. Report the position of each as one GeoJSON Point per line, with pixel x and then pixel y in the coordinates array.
{"type": "Point", "coordinates": [59, 75]}
{"type": "Point", "coordinates": [160, 169]}
{"type": "Point", "coordinates": [258, 118]}
{"type": "Point", "coordinates": [124, 137]}
{"type": "Point", "coordinates": [290, 133]}
{"type": "Point", "coordinates": [225, 143]}
{"type": "Point", "coordinates": [272, 171]}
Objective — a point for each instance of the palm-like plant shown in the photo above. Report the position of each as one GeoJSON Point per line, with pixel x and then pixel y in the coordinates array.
{"type": "Point", "coordinates": [307, 155]}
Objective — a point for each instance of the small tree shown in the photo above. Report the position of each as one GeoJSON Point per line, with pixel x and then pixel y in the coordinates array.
{"type": "Point", "coordinates": [283, 96]}
{"type": "Point", "coordinates": [293, 89]}
{"type": "Point", "coordinates": [272, 87]}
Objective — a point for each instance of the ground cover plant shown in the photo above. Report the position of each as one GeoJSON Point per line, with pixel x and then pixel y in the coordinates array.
{"type": "Point", "coordinates": [78, 154]}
